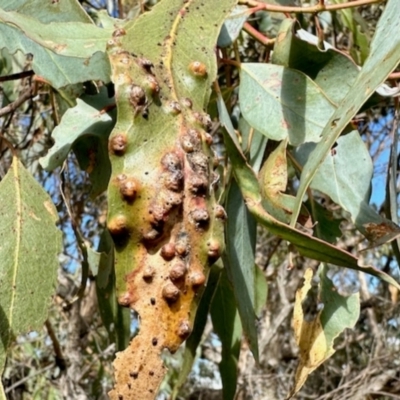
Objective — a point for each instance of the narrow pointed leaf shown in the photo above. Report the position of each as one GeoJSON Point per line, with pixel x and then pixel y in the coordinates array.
{"type": "Point", "coordinates": [116, 319]}
{"type": "Point", "coordinates": [226, 322]}
{"type": "Point", "coordinates": [240, 249]}
{"type": "Point", "coordinates": [391, 186]}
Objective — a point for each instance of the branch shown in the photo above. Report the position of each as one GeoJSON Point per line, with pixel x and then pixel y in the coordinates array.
{"type": "Point", "coordinates": [15, 104]}
{"type": "Point", "coordinates": [19, 75]}
{"type": "Point", "coordinates": [313, 9]}
{"type": "Point", "coordinates": [257, 35]}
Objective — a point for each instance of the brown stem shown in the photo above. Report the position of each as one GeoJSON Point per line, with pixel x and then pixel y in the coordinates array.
{"type": "Point", "coordinates": [257, 35]}
{"type": "Point", "coordinates": [60, 360]}
{"type": "Point", "coordinates": [313, 9]}
{"type": "Point", "coordinates": [108, 108]}
{"type": "Point", "coordinates": [230, 62]}
{"type": "Point", "coordinates": [9, 145]}
{"type": "Point", "coordinates": [19, 75]}
{"type": "Point", "coordinates": [15, 104]}
{"type": "Point", "coordinates": [79, 238]}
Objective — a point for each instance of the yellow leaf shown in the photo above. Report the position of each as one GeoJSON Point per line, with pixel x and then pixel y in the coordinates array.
{"type": "Point", "coordinates": [315, 338]}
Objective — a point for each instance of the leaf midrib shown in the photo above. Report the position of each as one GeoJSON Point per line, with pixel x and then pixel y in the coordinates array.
{"type": "Point", "coordinates": [18, 223]}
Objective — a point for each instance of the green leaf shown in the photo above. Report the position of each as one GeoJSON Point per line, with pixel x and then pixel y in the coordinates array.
{"type": "Point", "coordinates": [294, 106]}
{"type": "Point", "coordinates": [359, 42]}
{"type": "Point", "coordinates": [49, 11]}
{"type": "Point", "coordinates": [85, 119]}
{"type": "Point", "coordinates": [29, 246]}
{"type": "Point", "coordinates": [345, 176]}
{"type": "Point", "coordinates": [261, 290]}
{"type": "Point", "coordinates": [240, 247]}
{"type": "Point", "coordinates": [307, 245]}
{"type": "Point", "coordinates": [116, 318]}
{"type": "Point", "coordinates": [383, 58]}
{"type": "Point", "coordinates": [257, 145]}
{"type": "Point", "coordinates": [323, 67]}
{"type": "Point", "coordinates": [200, 321]}
{"type": "Point", "coordinates": [232, 26]}
{"type": "Point", "coordinates": [391, 187]}
{"type": "Point", "coordinates": [326, 226]}
{"type": "Point", "coordinates": [92, 154]}
{"type": "Point", "coordinates": [63, 52]}
{"type": "Point", "coordinates": [226, 322]}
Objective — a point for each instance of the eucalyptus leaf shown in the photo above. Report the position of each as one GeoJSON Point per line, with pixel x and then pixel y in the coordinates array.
{"type": "Point", "coordinates": [226, 322]}
{"type": "Point", "coordinates": [240, 248]}
{"type": "Point", "coordinates": [49, 11]}
{"type": "Point", "coordinates": [323, 67]}
{"type": "Point", "coordinates": [30, 243]}
{"type": "Point", "coordinates": [373, 73]}
{"type": "Point", "coordinates": [283, 103]}
{"type": "Point", "coordinates": [345, 176]}
{"type": "Point", "coordinates": [63, 52]}
{"type": "Point", "coordinates": [307, 245]}
{"type": "Point", "coordinates": [116, 319]}
{"type": "Point", "coordinates": [232, 26]}
{"type": "Point", "coordinates": [86, 118]}
{"type": "Point", "coordinates": [316, 338]}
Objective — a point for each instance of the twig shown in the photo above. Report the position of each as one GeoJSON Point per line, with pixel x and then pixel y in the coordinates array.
{"type": "Point", "coordinates": [23, 380]}
{"type": "Point", "coordinates": [60, 360]}
{"type": "Point", "coordinates": [257, 35]}
{"type": "Point", "coordinates": [230, 62]}
{"type": "Point", "coordinates": [79, 238]}
{"type": "Point", "coordinates": [9, 145]}
{"type": "Point", "coordinates": [312, 9]}
{"type": "Point", "coordinates": [15, 104]}
{"type": "Point", "coordinates": [19, 75]}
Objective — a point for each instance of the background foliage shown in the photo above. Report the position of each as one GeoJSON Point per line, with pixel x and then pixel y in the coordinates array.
{"type": "Point", "coordinates": [302, 127]}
